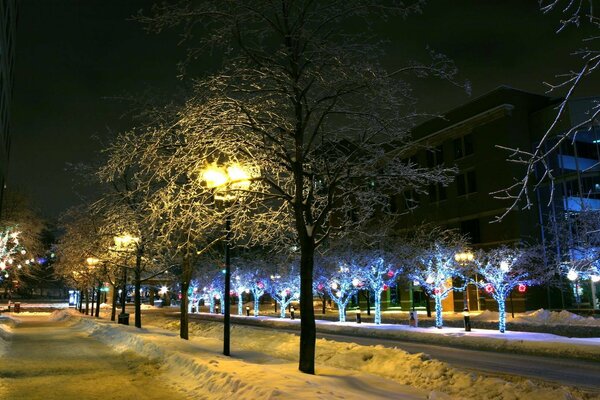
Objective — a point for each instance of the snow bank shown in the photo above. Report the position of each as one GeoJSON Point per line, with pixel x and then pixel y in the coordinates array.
{"type": "Point", "coordinates": [416, 370]}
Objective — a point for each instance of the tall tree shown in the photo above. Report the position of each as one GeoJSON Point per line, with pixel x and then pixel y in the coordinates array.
{"type": "Point", "coordinates": [303, 103]}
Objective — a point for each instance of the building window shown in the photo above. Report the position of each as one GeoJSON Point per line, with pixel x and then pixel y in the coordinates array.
{"type": "Point", "coordinates": [470, 228]}
{"type": "Point", "coordinates": [437, 192]}
{"type": "Point", "coordinates": [435, 156]}
{"type": "Point", "coordinates": [463, 146]}
{"type": "Point", "coordinates": [466, 183]}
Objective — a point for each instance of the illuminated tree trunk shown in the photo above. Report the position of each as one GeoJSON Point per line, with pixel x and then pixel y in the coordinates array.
{"type": "Point", "coordinates": [256, 296]}
{"type": "Point", "coordinates": [501, 300]}
{"type": "Point", "coordinates": [438, 312]}
{"type": "Point", "coordinates": [378, 306]}
{"type": "Point", "coordinates": [240, 304]}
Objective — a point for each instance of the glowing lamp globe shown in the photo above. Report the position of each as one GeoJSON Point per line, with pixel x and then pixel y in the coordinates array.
{"type": "Point", "coordinates": [429, 280]}
{"type": "Point", "coordinates": [334, 286]}
{"type": "Point", "coordinates": [504, 267]}
{"type": "Point", "coordinates": [355, 282]}
{"type": "Point", "coordinates": [595, 278]}
{"type": "Point", "coordinates": [572, 275]}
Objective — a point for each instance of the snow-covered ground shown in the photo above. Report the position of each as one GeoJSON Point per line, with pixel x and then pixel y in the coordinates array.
{"type": "Point", "coordinates": [263, 366]}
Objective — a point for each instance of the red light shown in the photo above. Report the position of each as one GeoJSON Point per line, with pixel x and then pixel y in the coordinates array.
{"type": "Point", "coordinates": [489, 288]}
{"type": "Point", "coordinates": [385, 287]}
{"type": "Point", "coordinates": [522, 287]}
{"type": "Point", "coordinates": [437, 291]}
{"type": "Point", "coordinates": [390, 273]}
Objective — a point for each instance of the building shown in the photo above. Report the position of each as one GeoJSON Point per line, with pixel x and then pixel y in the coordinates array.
{"type": "Point", "coordinates": [471, 138]}
{"type": "Point", "coordinates": [8, 25]}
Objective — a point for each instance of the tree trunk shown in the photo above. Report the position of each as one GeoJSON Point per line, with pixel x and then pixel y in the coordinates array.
{"type": "Point", "coordinates": [87, 302]}
{"type": "Point", "coordinates": [308, 333]}
{"type": "Point", "coordinates": [98, 295]}
{"type": "Point", "coordinates": [368, 296]}
{"type": "Point", "coordinates": [138, 286]}
{"type": "Point", "coordinates": [92, 300]}
{"type": "Point", "coordinates": [152, 294]}
{"type": "Point", "coordinates": [113, 311]}
{"type": "Point", "coordinates": [324, 304]}
{"type": "Point", "coordinates": [186, 276]}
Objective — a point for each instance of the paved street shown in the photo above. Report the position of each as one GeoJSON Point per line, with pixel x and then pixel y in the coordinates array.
{"type": "Point", "coordinates": [51, 360]}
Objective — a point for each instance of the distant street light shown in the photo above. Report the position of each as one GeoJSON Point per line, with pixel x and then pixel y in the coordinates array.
{"type": "Point", "coordinates": [464, 258]}
{"type": "Point", "coordinates": [123, 244]}
{"type": "Point", "coordinates": [226, 182]}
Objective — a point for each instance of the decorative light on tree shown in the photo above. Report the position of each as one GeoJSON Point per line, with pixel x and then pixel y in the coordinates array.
{"type": "Point", "coordinates": [434, 270]}
{"type": "Point", "coordinates": [341, 284]}
{"type": "Point", "coordinates": [257, 288]}
{"type": "Point", "coordinates": [284, 288]}
{"type": "Point", "coordinates": [9, 248]}
{"type": "Point", "coordinates": [502, 270]}
{"type": "Point", "coordinates": [239, 285]}
{"type": "Point", "coordinates": [377, 274]}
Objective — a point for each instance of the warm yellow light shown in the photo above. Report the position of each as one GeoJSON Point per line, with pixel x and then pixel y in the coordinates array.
{"type": "Point", "coordinates": [238, 177]}
{"type": "Point", "coordinates": [463, 257]}
{"type": "Point", "coordinates": [125, 240]}
{"type": "Point", "coordinates": [234, 176]}
{"type": "Point", "coordinates": [92, 261]}
{"type": "Point", "coordinates": [214, 176]}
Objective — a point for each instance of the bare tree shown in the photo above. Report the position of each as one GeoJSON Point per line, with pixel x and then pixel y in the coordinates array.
{"type": "Point", "coordinates": [574, 14]}
{"type": "Point", "coordinates": [303, 104]}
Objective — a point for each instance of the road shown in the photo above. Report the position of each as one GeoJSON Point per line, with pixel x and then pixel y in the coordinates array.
{"type": "Point", "coordinates": [52, 361]}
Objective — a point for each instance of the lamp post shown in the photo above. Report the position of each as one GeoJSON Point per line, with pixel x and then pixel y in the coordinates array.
{"type": "Point", "coordinates": [464, 258]}
{"type": "Point", "coordinates": [226, 182]}
{"type": "Point", "coordinates": [92, 262]}
{"type": "Point", "coordinates": [573, 276]}
{"type": "Point", "coordinates": [122, 243]}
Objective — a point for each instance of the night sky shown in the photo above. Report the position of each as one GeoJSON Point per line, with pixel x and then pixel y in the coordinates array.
{"type": "Point", "coordinates": [74, 57]}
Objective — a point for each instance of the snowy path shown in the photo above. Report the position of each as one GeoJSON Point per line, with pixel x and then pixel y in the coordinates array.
{"type": "Point", "coordinates": [50, 360]}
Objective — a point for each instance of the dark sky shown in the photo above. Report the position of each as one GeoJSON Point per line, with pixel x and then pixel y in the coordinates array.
{"type": "Point", "coordinates": [73, 56]}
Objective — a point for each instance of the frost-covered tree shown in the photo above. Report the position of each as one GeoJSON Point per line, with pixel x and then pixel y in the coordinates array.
{"type": "Point", "coordinates": [302, 101]}
{"type": "Point", "coordinates": [502, 270]}
{"type": "Point", "coordinates": [255, 276]}
{"type": "Point", "coordinates": [436, 270]}
{"type": "Point", "coordinates": [341, 279]}
{"type": "Point", "coordinates": [284, 287]}
{"type": "Point", "coordinates": [581, 15]}
{"type": "Point", "coordinates": [378, 270]}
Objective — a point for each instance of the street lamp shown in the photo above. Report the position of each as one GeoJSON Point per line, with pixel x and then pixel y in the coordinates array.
{"type": "Point", "coordinates": [226, 182]}
{"type": "Point", "coordinates": [464, 258]}
{"type": "Point", "coordinates": [122, 243]}
{"type": "Point", "coordinates": [92, 262]}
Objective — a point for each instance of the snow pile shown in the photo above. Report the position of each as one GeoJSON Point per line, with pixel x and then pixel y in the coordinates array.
{"type": "Point", "coordinates": [564, 317]}
{"type": "Point", "coordinates": [542, 317]}
{"type": "Point", "coordinates": [416, 370]}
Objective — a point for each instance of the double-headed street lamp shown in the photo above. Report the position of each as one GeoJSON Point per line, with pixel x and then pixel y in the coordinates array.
{"type": "Point", "coordinates": [122, 244]}
{"type": "Point", "coordinates": [227, 182]}
{"type": "Point", "coordinates": [464, 258]}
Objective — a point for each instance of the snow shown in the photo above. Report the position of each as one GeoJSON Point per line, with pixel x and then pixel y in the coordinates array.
{"type": "Point", "coordinates": [264, 366]}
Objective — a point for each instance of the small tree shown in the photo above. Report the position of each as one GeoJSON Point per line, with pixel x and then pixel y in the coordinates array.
{"type": "Point", "coordinates": [342, 280]}
{"type": "Point", "coordinates": [504, 269]}
{"type": "Point", "coordinates": [284, 287]}
{"type": "Point", "coordinates": [378, 271]}
{"type": "Point", "coordinates": [435, 269]}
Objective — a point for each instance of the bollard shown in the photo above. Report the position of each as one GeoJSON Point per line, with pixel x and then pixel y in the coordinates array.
{"type": "Point", "coordinates": [467, 319]}
{"type": "Point", "coordinates": [247, 311]}
{"type": "Point", "coordinates": [413, 319]}
{"type": "Point", "coordinates": [358, 317]}
{"type": "Point", "coordinates": [292, 309]}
